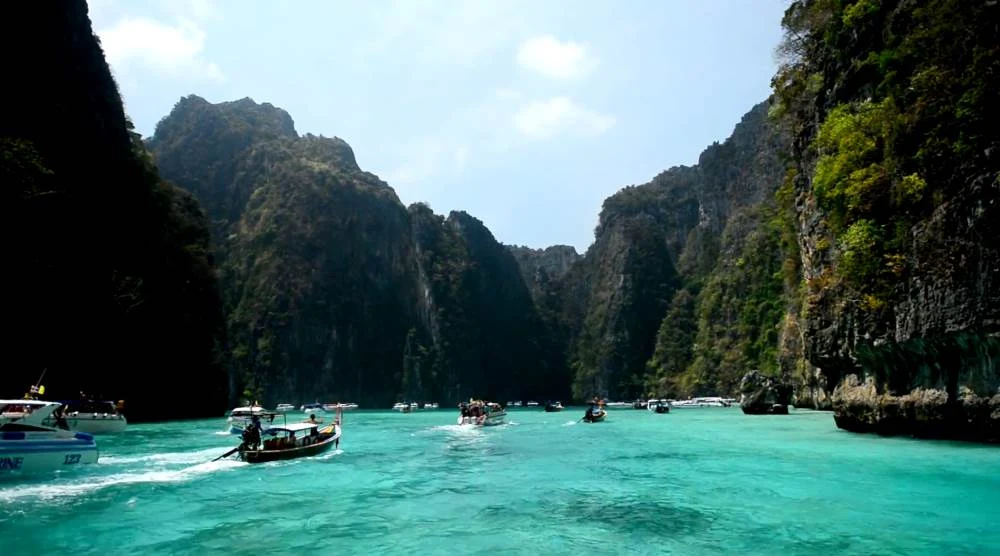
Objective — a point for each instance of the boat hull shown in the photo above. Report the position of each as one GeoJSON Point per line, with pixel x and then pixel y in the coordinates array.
{"type": "Point", "coordinates": [489, 421]}
{"type": "Point", "coordinates": [596, 417]}
{"type": "Point", "coordinates": [93, 424]}
{"type": "Point", "coordinates": [264, 456]}
{"type": "Point", "coordinates": [25, 453]}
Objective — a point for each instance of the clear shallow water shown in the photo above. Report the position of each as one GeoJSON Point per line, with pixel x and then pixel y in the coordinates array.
{"type": "Point", "coordinates": [696, 481]}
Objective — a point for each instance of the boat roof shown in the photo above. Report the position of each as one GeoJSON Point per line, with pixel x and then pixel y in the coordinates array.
{"type": "Point", "coordinates": [37, 403]}
{"type": "Point", "coordinates": [293, 427]}
{"type": "Point", "coordinates": [251, 409]}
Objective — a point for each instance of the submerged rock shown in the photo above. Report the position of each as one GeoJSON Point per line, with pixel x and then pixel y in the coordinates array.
{"type": "Point", "coordinates": [764, 395]}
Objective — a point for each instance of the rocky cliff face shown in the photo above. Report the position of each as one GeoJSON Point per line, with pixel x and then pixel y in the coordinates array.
{"type": "Point", "coordinates": [318, 264]}
{"type": "Point", "coordinates": [542, 268]}
{"type": "Point", "coordinates": [896, 194]}
{"type": "Point", "coordinates": [682, 292]}
{"type": "Point", "coordinates": [333, 289]}
{"type": "Point", "coordinates": [115, 285]}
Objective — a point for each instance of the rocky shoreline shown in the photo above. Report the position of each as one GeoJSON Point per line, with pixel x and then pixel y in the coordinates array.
{"type": "Point", "coordinates": [922, 413]}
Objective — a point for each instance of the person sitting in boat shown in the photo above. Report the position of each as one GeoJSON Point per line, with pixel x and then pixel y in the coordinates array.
{"type": "Point", "coordinates": [590, 413]}
{"type": "Point", "coordinates": [312, 418]}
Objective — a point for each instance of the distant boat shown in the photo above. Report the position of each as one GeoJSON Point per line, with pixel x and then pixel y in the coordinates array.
{"type": "Point", "coordinates": [553, 407]}
{"type": "Point", "coordinates": [28, 446]}
{"type": "Point", "coordinates": [284, 408]}
{"type": "Point", "coordinates": [595, 415]}
{"type": "Point", "coordinates": [314, 407]}
{"type": "Point", "coordinates": [342, 406]}
{"type": "Point", "coordinates": [658, 406]}
{"type": "Point", "coordinates": [708, 401]}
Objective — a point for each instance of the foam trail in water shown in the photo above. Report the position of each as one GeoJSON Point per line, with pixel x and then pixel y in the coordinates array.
{"type": "Point", "coordinates": [569, 423]}
{"type": "Point", "coordinates": [167, 458]}
{"type": "Point", "coordinates": [50, 491]}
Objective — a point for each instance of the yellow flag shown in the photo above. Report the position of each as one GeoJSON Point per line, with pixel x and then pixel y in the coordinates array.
{"type": "Point", "coordinates": [41, 390]}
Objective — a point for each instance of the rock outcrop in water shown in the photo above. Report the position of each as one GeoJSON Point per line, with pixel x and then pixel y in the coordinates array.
{"type": "Point", "coordinates": [764, 395]}
{"type": "Point", "coordinates": [111, 279]}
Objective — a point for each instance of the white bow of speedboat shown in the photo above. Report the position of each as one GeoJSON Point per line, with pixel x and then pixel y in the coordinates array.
{"type": "Point", "coordinates": [28, 446]}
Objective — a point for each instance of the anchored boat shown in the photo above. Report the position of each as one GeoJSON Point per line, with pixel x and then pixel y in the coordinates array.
{"type": "Point", "coordinates": [553, 407]}
{"type": "Point", "coordinates": [28, 446]}
{"type": "Point", "coordinates": [93, 417]}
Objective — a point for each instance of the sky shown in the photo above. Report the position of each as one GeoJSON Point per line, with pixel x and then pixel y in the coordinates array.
{"type": "Point", "coordinates": [525, 114]}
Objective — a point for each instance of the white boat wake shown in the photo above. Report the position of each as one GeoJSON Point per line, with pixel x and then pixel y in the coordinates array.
{"type": "Point", "coordinates": [167, 458]}
{"type": "Point", "coordinates": [92, 484]}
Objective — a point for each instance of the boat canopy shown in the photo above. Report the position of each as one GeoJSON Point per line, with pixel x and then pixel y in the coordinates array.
{"type": "Point", "coordinates": [255, 410]}
{"type": "Point", "coordinates": [291, 427]}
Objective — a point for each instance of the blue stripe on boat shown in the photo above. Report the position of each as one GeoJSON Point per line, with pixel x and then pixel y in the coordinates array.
{"type": "Point", "coordinates": [13, 436]}
{"type": "Point", "coordinates": [46, 449]}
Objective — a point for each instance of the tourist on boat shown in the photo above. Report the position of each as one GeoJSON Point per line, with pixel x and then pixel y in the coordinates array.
{"type": "Point", "coordinates": [312, 419]}
{"type": "Point", "coordinates": [60, 416]}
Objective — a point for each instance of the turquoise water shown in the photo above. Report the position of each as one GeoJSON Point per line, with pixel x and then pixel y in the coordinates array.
{"type": "Point", "coordinates": [696, 481]}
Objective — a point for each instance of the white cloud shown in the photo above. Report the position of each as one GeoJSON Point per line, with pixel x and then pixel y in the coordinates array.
{"type": "Point", "coordinates": [172, 50]}
{"type": "Point", "coordinates": [427, 157]}
{"type": "Point", "coordinates": [558, 60]}
{"type": "Point", "coordinates": [544, 119]}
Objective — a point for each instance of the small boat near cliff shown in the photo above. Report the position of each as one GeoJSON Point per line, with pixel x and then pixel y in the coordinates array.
{"type": "Point", "coordinates": [481, 414]}
{"type": "Point", "coordinates": [314, 407]}
{"type": "Point", "coordinates": [553, 407]}
{"type": "Point", "coordinates": [28, 446]}
{"type": "Point", "coordinates": [658, 406]}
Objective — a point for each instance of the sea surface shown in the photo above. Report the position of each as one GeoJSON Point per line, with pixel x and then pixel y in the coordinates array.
{"type": "Point", "coordinates": [695, 481]}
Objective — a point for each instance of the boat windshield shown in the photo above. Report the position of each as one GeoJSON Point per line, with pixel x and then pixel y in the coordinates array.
{"type": "Point", "coordinates": [88, 406]}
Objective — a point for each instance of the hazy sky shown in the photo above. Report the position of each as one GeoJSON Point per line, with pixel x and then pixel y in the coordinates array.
{"type": "Point", "coordinates": [525, 114]}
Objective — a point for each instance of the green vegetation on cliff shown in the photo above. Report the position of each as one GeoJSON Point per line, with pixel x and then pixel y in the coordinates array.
{"type": "Point", "coordinates": [317, 263]}
{"type": "Point", "coordinates": [115, 290]}
{"type": "Point", "coordinates": [892, 105]}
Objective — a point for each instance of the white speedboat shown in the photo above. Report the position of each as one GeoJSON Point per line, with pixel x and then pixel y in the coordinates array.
{"type": "Point", "coordinates": [432, 405]}
{"type": "Point", "coordinates": [618, 405]}
{"type": "Point", "coordinates": [708, 401]}
{"type": "Point", "coordinates": [240, 417]}
{"type": "Point", "coordinates": [333, 407]}
{"type": "Point", "coordinates": [314, 407]}
{"type": "Point", "coordinates": [89, 416]}
{"type": "Point", "coordinates": [28, 446]}
{"type": "Point", "coordinates": [284, 408]}
{"type": "Point", "coordinates": [481, 414]}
